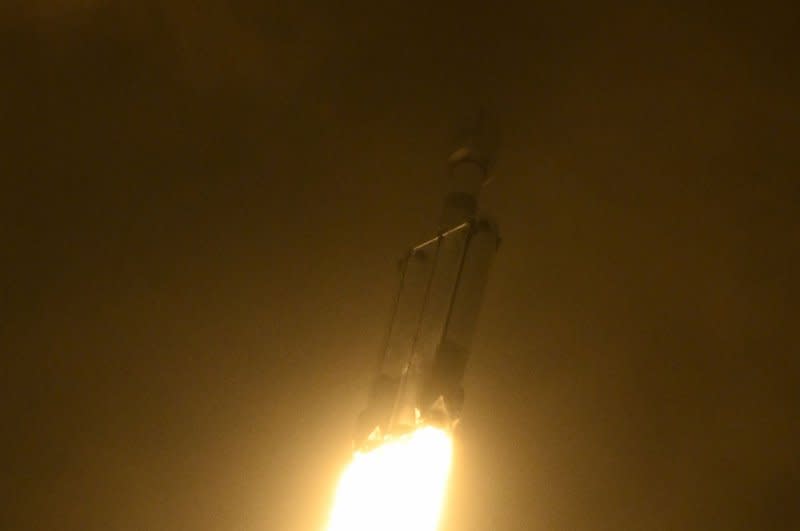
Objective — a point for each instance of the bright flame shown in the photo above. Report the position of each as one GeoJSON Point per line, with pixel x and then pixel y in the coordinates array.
{"type": "Point", "coordinates": [398, 486]}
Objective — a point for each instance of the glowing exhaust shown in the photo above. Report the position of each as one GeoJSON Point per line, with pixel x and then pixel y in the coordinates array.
{"type": "Point", "coordinates": [397, 486]}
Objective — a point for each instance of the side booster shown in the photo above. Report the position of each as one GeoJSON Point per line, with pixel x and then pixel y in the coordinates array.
{"type": "Point", "coordinates": [428, 343]}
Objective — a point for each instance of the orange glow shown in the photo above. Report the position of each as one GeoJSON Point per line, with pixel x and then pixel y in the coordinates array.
{"type": "Point", "coordinates": [398, 486]}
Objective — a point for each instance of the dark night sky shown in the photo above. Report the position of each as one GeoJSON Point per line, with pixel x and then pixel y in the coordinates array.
{"type": "Point", "coordinates": [202, 205]}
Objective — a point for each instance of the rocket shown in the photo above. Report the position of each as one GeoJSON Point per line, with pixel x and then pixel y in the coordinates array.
{"type": "Point", "coordinates": [419, 378]}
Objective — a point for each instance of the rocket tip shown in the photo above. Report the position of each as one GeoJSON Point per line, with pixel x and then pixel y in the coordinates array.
{"type": "Point", "coordinates": [477, 142]}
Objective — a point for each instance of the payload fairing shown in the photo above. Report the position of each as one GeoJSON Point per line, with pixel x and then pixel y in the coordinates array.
{"type": "Point", "coordinates": [428, 343]}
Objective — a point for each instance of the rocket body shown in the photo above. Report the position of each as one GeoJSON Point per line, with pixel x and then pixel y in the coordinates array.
{"type": "Point", "coordinates": [419, 380]}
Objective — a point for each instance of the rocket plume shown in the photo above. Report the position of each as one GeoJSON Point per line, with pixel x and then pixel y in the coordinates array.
{"type": "Point", "coordinates": [397, 486]}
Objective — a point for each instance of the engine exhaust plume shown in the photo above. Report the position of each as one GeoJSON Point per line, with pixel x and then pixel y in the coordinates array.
{"type": "Point", "coordinates": [397, 486]}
